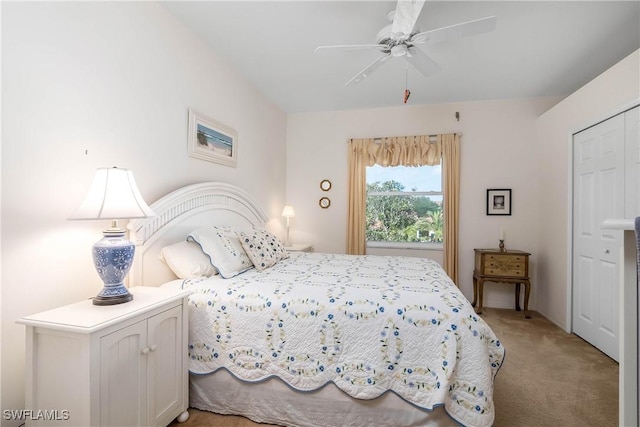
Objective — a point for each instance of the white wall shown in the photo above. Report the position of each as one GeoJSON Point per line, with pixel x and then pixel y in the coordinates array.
{"type": "Point", "coordinates": [95, 84]}
{"type": "Point", "coordinates": [604, 96]}
{"type": "Point", "coordinates": [497, 151]}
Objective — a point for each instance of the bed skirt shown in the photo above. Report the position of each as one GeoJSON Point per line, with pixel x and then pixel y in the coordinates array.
{"type": "Point", "coordinates": [273, 402]}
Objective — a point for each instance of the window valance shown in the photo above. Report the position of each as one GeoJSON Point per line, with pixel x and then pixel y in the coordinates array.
{"type": "Point", "coordinates": [399, 151]}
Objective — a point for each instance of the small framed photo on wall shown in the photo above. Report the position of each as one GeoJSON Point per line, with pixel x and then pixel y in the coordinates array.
{"type": "Point", "coordinates": [498, 201]}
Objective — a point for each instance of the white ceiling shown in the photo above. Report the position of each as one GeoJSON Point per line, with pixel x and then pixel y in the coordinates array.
{"type": "Point", "coordinates": [537, 49]}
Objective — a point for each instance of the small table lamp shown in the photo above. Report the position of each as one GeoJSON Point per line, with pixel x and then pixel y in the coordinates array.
{"type": "Point", "coordinates": [113, 195]}
{"type": "Point", "coordinates": [288, 212]}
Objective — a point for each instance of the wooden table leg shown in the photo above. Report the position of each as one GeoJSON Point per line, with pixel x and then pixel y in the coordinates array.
{"type": "Point", "coordinates": [478, 292]}
{"type": "Point", "coordinates": [480, 295]}
{"type": "Point", "coordinates": [527, 291]}
{"type": "Point", "coordinates": [475, 291]}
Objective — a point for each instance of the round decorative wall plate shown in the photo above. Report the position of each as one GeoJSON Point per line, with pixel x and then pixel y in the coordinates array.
{"type": "Point", "coordinates": [325, 185]}
{"type": "Point", "coordinates": [324, 202]}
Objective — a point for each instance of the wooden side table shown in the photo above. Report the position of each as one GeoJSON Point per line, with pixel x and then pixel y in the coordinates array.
{"type": "Point", "coordinates": [509, 266]}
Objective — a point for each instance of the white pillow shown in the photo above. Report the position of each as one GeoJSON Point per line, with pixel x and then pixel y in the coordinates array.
{"type": "Point", "coordinates": [222, 244]}
{"type": "Point", "coordinates": [264, 249]}
{"type": "Point", "coordinates": [187, 260]}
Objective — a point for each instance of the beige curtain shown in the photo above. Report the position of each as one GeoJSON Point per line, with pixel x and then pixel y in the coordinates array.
{"type": "Point", "coordinates": [404, 151]}
{"type": "Point", "coordinates": [451, 188]}
{"type": "Point", "coordinates": [356, 222]}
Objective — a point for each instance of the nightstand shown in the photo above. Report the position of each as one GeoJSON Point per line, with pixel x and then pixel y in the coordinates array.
{"type": "Point", "coordinates": [509, 266]}
{"type": "Point", "coordinates": [124, 364]}
{"type": "Point", "coordinates": [299, 247]}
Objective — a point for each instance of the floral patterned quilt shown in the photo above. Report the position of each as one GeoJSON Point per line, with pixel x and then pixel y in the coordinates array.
{"type": "Point", "coordinates": [369, 324]}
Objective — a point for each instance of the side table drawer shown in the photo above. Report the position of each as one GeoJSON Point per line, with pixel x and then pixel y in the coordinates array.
{"type": "Point", "coordinates": [505, 265]}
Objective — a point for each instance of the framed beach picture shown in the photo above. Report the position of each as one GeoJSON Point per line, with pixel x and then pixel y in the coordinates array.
{"type": "Point", "coordinates": [212, 141]}
{"type": "Point", "coordinates": [499, 202]}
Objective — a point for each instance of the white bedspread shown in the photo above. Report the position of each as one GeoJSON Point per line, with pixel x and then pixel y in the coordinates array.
{"type": "Point", "coordinates": [369, 324]}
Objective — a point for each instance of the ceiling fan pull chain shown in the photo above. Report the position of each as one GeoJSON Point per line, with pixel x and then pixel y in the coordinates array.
{"type": "Point", "coordinates": [407, 92]}
{"type": "Point", "coordinates": [406, 75]}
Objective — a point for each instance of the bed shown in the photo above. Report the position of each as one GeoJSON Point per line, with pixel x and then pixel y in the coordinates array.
{"type": "Point", "coordinates": [310, 339]}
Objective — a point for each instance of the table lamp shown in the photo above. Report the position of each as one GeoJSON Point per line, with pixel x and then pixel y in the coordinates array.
{"type": "Point", "coordinates": [113, 195]}
{"type": "Point", "coordinates": [288, 212]}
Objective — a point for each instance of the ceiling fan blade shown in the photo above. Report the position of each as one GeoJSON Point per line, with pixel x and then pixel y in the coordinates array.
{"type": "Point", "coordinates": [422, 62]}
{"type": "Point", "coordinates": [405, 17]}
{"type": "Point", "coordinates": [456, 31]}
{"type": "Point", "coordinates": [349, 47]}
{"type": "Point", "coordinates": [368, 70]}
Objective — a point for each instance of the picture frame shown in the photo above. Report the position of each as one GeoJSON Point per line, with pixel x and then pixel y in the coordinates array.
{"type": "Point", "coordinates": [212, 141]}
{"type": "Point", "coordinates": [324, 202]}
{"type": "Point", "coordinates": [499, 201]}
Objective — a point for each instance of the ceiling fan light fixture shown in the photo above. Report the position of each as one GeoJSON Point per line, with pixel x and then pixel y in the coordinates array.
{"type": "Point", "coordinates": [399, 50]}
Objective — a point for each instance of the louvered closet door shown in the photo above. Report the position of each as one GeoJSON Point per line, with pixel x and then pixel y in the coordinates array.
{"type": "Point", "coordinates": [598, 194]}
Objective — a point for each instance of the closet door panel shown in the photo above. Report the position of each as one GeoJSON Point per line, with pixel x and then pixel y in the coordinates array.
{"type": "Point", "coordinates": [598, 194]}
{"type": "Point", "coordinates": [632, 163]}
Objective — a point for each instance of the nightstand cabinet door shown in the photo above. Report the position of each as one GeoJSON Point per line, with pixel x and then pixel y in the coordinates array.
{"type": "Point", "coordinates": [164, 372]}
{"type": "Point", "coordinates": [123, 377]}
{"type": "Point", "coordinates": [140, 368]}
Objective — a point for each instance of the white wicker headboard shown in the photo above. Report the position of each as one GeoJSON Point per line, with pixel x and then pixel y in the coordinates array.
{"type": "Point", "coordinates": [179, 213]}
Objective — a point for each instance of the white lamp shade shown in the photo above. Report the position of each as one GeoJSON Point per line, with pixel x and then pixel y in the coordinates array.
{"type": "Point", "coordinates": [113, 195]}
{"type": "Point", "coordinates": [288, 211]}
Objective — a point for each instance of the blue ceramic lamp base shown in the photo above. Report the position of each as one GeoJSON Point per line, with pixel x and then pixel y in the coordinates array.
{"type": "Point", "coordinates": [112, 257]}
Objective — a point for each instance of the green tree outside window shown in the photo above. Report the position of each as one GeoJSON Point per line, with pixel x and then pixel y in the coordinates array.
{"type": "Point", "coordinates": [401, 216]}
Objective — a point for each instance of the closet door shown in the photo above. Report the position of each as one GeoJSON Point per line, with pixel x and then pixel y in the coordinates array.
{"type": "Point", "coordinates": [598, 194]}
{"type": "Point", "coordinates": [631, 386]}
{"type": "Point", "coordinates": [632, 163]}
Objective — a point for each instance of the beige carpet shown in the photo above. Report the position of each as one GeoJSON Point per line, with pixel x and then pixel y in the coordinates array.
{"type": "Point", "coordinates": [549, 378]}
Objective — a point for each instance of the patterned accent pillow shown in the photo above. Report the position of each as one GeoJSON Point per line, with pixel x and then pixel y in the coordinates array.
{"type": "Point", "coordinates": [264, 249]}
{"type": "Point", "coordinates": [223, 246]}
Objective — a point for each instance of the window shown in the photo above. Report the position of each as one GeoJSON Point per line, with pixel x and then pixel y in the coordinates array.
{"type": "Point", "coordinates": [404, 206]}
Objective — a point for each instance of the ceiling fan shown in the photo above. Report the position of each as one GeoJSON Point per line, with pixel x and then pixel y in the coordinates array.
{"type": "Point", "coordinates": [399, 39]}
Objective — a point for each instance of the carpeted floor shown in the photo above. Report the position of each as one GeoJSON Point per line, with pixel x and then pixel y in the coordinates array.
{"type": "Point", "coordinates": [549, 378]}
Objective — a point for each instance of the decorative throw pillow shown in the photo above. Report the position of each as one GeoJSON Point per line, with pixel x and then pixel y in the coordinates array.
{"type": "Point", "coordinates": [223, 246]}
{"type": "Point", "coordinates": [264, 249]}
{"type": "Point", "coordinates": [187, 260]}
